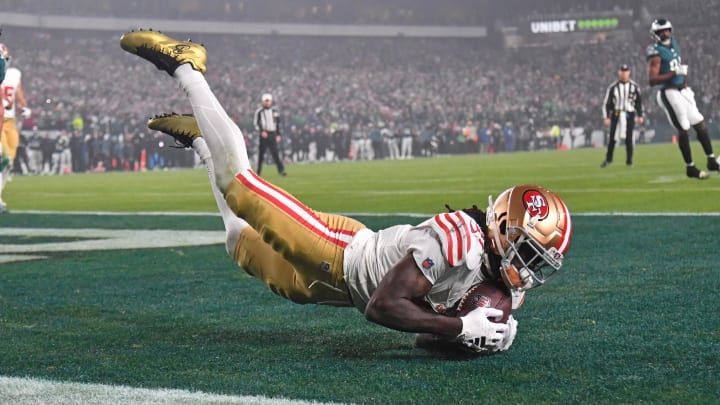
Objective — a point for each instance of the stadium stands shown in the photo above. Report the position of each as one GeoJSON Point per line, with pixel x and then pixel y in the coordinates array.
{"type": "Point", "coordinates": [328, 83]}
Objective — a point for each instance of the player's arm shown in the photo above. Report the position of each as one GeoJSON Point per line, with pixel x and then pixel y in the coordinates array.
{"type": "Point", "coordinates": [653, 72]}
{"type": "Point", "coordinates": [392, 304]}
{"type": "Point", "coordinates": [20, 96]}
{"type": "Point", "coordinates": [608, 105]}
{"type": "Point", "coordinates": [608, 102]}
{"type": "Point", "coordinates": [257, 120]}
{"type": "Point", "coordinates": [278, 121]}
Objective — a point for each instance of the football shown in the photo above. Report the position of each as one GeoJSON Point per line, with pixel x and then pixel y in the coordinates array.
{"type": "Point", "coordinates": [488, 294]}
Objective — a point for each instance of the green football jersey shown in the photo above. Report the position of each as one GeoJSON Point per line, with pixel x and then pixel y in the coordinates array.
{"type": "Point", "coordinates": [2, 68]}
{"type": "Point", "coordinates": [669, 61]}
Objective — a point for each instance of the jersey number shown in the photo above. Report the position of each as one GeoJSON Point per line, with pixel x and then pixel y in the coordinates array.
{"type": "Point", "coordinates": [8, 94]}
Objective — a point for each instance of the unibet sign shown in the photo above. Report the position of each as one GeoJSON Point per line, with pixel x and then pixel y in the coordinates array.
{"type": "Point", "coordinates": [571, 25]}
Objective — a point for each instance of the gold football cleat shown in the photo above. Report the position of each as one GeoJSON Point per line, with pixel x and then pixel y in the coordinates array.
{"type": "Point", "coordinates": [164, 52]}
{"type": "Point", "coordinates": [182, 127]}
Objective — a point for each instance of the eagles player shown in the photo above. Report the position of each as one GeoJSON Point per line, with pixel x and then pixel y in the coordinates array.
{"type": "Point", "coordinates": [665, 69]}
{"type": "Point", "coordinates": [2, 67]}
{"type": "Point", "coordinates": [403, 277]}
{"type": "Point", "coordinates": [12, 94]}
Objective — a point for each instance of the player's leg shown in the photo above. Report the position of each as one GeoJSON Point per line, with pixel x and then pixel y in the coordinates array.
{"type": "Point", "coordinates": [675, 106]}
{"type": "Point", "coordinates": [629, 139]}
{"type": "Point", "coordinates": [614, 121]}
{"type": "Point", "coordinates": [257, 258]}
{"type": "Point", "coordinates": [243, 243]}
{"type": "Point", "coordinates": [704, 138]}
{"type": "Point", "coordinates": [9, 139]}
{"type": "Point", "coordinates": [312, 242]}
{"type": "Point", "coordinates": [697, 121]}
{"type": "Point", "coordinates": [262, 148]}
{"type": "Point", "coordinates": [277, 156]}
{"type": "Point", "coordinates": [185, 61]}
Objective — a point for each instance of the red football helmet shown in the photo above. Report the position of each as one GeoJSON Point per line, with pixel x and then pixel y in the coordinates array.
{"type": "Point", "coordinates": [530, 229]}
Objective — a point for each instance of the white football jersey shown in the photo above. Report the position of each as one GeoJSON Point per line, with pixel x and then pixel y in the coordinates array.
{"type": "Point", "coordinates": [9, 88]}
{"type": "Point", "coordinates": [447, 248]}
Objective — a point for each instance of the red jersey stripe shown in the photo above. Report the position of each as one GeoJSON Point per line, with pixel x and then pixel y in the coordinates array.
{"type": "Point", "coordinates": [294, 209]}
{"type": "Point", "coordinates": [465, 225]}
{"type": "Point", "coordinates": [449, 238]}
{"type": "Point", "coordinates": [457, 235]}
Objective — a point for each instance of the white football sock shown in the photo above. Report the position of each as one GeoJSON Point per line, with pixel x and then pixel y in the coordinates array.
{"type": "Point", "coordinates": [224, 139]}
{"type": "Point", "coordinates": [233, 224]}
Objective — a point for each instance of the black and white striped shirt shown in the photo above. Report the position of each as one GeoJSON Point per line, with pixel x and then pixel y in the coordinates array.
{"type": "Point", "coordinates": [267, 119]}
{"type": "Point", "coordinates": [623, 97]}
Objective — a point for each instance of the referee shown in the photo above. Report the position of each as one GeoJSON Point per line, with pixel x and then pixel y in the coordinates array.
{"type": "Point", "coordinates": [622, 104]}
{"type": "Point", "coordinates": [267, 123]}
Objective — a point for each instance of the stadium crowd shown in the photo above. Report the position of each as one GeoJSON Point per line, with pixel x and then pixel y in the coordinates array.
{"type": "Point", "coordinates": [339, 98]}
{"type": "Point", "coordinates": [399, 12]}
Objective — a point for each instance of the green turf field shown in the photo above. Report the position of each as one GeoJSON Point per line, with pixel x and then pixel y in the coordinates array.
{"type": "Point", "coordinates": [657, 183]}
{"type": "Point", "coordinates": [632, 319]}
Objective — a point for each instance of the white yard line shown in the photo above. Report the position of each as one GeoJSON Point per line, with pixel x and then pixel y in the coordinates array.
{"type": "Point", "coordinates": [35, 391]}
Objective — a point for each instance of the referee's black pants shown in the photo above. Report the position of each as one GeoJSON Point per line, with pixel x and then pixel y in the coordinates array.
{"type": "Point", "coordinates": [271, 143]}
{"type": "Point", "coordinates": [615, 120]}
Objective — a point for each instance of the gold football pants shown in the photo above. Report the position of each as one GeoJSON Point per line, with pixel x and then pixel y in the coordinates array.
{"type": "Point", "coordinates": [295, 251]}
{"type": "Point", "coordinates": [10, 138]}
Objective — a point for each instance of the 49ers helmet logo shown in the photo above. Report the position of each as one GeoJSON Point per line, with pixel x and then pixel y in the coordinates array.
{"type": "Point", "coordinates": [535, 204]}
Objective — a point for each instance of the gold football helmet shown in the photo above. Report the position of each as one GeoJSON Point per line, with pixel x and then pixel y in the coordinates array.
{"type": "Point", "coordinates": [530, 229]}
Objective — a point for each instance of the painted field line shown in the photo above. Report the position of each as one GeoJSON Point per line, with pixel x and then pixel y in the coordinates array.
{"type": "Point", "coordinates": [35, 391]}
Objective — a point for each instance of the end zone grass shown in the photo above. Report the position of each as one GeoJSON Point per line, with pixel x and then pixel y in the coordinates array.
{"type": "Point", "coordinates": [631, 319]}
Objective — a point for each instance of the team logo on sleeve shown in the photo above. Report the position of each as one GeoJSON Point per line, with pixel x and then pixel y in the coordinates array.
{"type": "Point", "coordinates": [535, 204]}
{"type": "Point", "coordinates": [427, 263]}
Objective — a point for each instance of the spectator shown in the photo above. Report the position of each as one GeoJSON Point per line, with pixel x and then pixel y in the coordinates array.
{"type": "Point", "coordinates": [406, 143]}
{"type": "Point", "coordinates": [376, 140]}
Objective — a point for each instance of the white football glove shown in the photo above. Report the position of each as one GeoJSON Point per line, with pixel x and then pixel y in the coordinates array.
{"type": "Point", "coordinates": [681, 70]}
{"type": "Point", "coordinates": [26, 112]}
{"type": "Point", "coordinates": [478, 333]}
{"type": "Point", "coordinates": [509, 336]}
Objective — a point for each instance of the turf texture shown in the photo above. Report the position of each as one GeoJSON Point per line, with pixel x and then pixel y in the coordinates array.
{"type": "Point", "coordinates": [632, 317]}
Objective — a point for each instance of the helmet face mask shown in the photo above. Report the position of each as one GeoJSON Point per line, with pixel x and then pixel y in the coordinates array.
{"type": "Point", "coordinates": [530, 229]}
{"type": "Point", "coordinates": [527, 264]}
{"type": "Point", "coordinates": [657, 27]}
